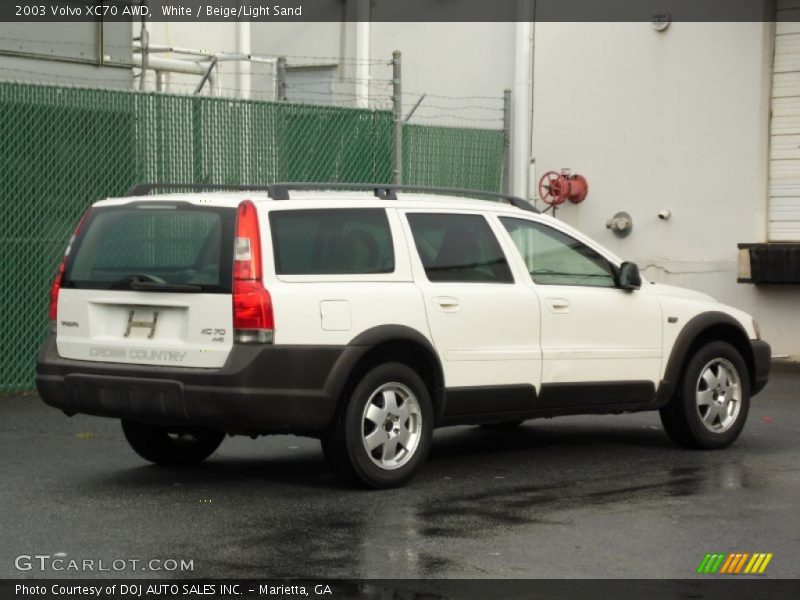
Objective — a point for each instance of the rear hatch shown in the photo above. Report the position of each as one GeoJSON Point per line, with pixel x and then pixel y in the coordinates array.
{"type": "Point", "coordinates": [149, 283]}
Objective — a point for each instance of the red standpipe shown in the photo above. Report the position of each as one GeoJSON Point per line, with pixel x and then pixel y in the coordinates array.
{"type": "Point", "coordinates": [556, 188]}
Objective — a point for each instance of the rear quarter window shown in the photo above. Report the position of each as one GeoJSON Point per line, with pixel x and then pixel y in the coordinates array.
{"type": "Point", "coordinates": [332, 242]}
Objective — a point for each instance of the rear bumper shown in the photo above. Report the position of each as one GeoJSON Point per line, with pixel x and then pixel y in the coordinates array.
{"type": "Point", "coordinates": [762, 357]}
{"type": "Point", "coordinates": [260, 389]}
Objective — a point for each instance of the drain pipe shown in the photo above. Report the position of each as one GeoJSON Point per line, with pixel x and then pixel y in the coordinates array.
{"type": "Point", "coordinates": [243, 74]}
{"type": "Point", "coordinates": [362, 53]}
{"type": "Point", "coordinates": [521, 102]}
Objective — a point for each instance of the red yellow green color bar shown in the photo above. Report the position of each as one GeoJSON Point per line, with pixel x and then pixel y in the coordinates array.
{"type": "Point", "coordinates": [734, 563]}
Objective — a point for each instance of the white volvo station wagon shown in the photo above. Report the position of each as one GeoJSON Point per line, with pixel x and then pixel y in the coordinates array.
{"type": "Point", "coordinates": [366, 316]}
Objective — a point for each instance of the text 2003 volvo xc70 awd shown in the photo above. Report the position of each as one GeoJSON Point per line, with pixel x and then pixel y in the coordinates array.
{"type": "Point", "coordinates": [369, 317]}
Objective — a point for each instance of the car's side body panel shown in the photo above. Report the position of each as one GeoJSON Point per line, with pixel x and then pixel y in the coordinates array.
{"type": "Point", "coordinates": [493, 351]}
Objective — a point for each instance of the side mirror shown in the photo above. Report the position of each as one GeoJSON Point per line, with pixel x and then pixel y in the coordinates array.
{"type": "Point", "coordinates": [628, 277]}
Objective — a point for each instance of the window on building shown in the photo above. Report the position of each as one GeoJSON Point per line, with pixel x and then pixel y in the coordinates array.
{"type": "Point", "coordinates": [310, 85]}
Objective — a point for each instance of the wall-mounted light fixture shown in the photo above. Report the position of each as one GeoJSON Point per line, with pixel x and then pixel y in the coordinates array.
{"type": "Point", "coordinates": [661, 21]}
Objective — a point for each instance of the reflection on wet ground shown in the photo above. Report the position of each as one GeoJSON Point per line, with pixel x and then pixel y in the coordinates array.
{"type": "Point", "coordinates": [571, 497]}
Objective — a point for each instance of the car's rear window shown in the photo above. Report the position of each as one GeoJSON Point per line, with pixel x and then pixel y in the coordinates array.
{"type": "Point", "coordinates": [332, 242]}
{"type": "Point", "coordinates": [171, 243]}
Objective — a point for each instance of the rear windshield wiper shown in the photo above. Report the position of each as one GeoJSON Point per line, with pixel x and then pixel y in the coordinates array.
{"type": "Point", "coordinates": [147, 283]}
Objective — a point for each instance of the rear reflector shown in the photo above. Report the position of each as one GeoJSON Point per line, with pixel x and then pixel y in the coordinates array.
{"type": "Point", "coordinates": [253, 319]}
{"type": "Point", "coordinates": [55, 289]}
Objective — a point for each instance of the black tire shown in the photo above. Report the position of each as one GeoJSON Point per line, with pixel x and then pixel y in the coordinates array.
{"type": "Point", "coordinates": [685, 420]}
{"type": "Point", "coordinates": [502, 426]}
{"type": "Point", "coordinates": [173, 446]}
{"type": "Point", "coordinates": [345, 445]}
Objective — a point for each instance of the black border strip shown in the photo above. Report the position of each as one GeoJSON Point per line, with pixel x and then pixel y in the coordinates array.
{"type": "Point", "coordinates": [707, 587]}
{"type": "Point", "coordinates": [398, 10]}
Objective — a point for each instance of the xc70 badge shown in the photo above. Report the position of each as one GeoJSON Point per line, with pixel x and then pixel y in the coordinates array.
{"type": "Point", "coordinates": [218, 335]}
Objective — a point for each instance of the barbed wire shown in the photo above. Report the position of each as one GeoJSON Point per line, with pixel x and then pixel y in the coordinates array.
{"type": "Point", "coordinates": [93, 45]}
{"type": "Point", "coordinates": [425, 105]}
{"type": "Point", "coordinates": [480, 110]}
{"type": "Point", "coordinates": [337, 60]}
{"type": "Point", "coordinates": [445, 116]}
{"type": "Point", "coordinates": [322, 92]}
{"type": "Point", "coordinates": [427, 95]}
{"type": "Point", "coordinates": [49, 76]}
{"type": "Point", "coordinates": [343, 80]}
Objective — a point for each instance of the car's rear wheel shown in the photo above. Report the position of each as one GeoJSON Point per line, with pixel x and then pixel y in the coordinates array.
{"type": "Point", "coordinates": [382, 433]}
{"type": "Point", "coordinates": [175, 446]}
{"type": "Point", "coordinates": [709, 408]}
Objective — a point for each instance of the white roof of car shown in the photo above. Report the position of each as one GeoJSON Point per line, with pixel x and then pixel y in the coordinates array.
{"type": "Point", "coordinates": [325, 198]}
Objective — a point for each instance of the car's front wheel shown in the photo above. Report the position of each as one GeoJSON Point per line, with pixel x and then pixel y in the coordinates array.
{"type": "Point", "coordinates": [709, 408]}
{"type": "Point", "coordinates": [382, 434]}
{"type": "Point", "coordinates": [174, 446]}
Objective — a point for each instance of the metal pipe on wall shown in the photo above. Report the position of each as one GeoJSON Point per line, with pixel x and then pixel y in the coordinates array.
{"type": "Point", "coordinates": [521, 104]}
{"type": "Point", "coordinates": [173, 65]}
{"type": "Point", "coordinates": [362, 53]}
{"type": "Point", "coordinates": [243, 72]}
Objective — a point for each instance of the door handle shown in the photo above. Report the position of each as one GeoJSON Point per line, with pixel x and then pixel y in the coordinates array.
{"type": "Point", "coordinates": [447, 303]}
{"type": "Point", "coordinates": [558, 305]}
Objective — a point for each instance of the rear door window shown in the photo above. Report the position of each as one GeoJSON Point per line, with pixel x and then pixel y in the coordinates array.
{"type": "Point", "coordinates": [458, 247]}
{"type": "Point", "coordinates": [169, 243]}
{"type": "Point", "coordinates": [332, 242]}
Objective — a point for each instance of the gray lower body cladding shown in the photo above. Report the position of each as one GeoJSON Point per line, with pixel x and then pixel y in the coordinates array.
{"type": "Point", "coordinates": [296, 389]}
{"type": "Point", "coordinates": [260, 388]}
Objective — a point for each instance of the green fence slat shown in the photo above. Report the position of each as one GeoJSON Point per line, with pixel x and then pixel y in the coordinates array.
{"type": "Point", "coordinates": [62, 148]}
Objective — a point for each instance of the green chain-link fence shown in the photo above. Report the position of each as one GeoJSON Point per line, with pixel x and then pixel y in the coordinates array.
{"type": "Point", "coordinates": [453, 157]}
{"type": "Point", "coordinates": [63, 148]}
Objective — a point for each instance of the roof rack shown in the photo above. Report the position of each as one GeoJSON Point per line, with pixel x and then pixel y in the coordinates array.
{"type": "Point", "coordinates": [280, 191]}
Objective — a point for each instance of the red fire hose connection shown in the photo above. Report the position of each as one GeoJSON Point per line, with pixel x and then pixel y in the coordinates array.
{"type": "Point", "coordinates": [557, 188]}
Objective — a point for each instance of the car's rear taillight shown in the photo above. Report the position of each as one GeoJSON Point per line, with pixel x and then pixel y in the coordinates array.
{"type": "Point", "coordinates": [56, 287]}
{"type": "Point", "coordinates": [253, 320]}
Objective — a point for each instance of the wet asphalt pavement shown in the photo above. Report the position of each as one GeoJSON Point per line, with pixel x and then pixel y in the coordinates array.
{"type": "Point", "coordinates": [606, 496]}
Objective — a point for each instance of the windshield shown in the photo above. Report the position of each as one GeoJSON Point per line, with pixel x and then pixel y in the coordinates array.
{"type": "Point", "coordinates": [154, 247]}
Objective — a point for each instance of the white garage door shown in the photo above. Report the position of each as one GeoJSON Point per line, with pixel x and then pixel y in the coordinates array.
{"type": "Point", "coordinates": [784, 170]}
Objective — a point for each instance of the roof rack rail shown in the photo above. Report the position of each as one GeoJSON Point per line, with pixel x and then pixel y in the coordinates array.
{"type": "Point", "coordinates": [280, 191]}
{"type": "Point", "coordinates": [144, 189]}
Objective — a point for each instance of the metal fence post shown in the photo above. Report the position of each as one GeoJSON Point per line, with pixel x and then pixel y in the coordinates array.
{"type": "Point", "coordinates": [506, 179]}
{"type": "Point", "coordinates": [397, 98]}
{"type": "Point", "coordinates": [145, 41]}
{"type": "Point", "coordinates": [281, 78]}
